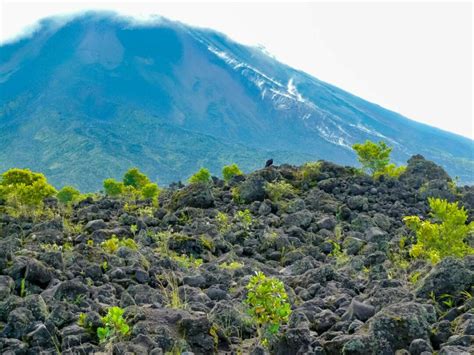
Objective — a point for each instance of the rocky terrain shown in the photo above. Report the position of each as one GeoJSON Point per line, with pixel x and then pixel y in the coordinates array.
{"type": "Point", "coordinates": [337, 242]}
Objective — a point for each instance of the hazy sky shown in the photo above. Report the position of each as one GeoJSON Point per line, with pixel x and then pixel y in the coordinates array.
{"type": "Point", "coordinates": [412, 58]}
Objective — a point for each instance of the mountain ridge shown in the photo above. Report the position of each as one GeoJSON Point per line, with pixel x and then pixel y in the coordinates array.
{"type": "Point", "coordinates": [101, 77]}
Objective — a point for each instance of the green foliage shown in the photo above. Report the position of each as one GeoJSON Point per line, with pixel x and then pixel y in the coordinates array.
{"type": "Point", "coordinates": [150, 191]}
{"type": "Point", "coordinates": [229, 171]}
{"type": "Point", "coordinates": [268, 305]}
{"type": "Point", "coordinates": [68, 194]}
{"type": "Point", "coordinates": [24, 188]}
{"type": "Point", "coordinates": [374, 157]}
{"type": "Point", "coordinates": [202, 176]}
{"type": "Point", "coordinates": [135, 178]}
{"type": "Point", "coordinates": [113, 187]}
{"type": "Point", "coordinates": [234, 265]}
{"type": "Point", "coordinates": [445, 237]}
{"type": "Point", "coordinates": [391, 170]}
{"type": "Point", "coordinates": [22, 287]}
{"type": "Point", "coordinates": [186, 261]}
{"type": "Point", "coordinates": [111, 245]}
{"type": "Point", "coordinates": [340, 256]}
{"type": "Point", "coordinates": [115, 325]}
{"type": "Point", "coordinates": [309, 172]}
{"type": "Point", "coordinates": [235, 191]}
{"type": "Point", "coordinates": [245, 218]}
{"type": "Point", "coordinates": [279, 190]}
{"type": "Point", "coordinates": [222, 222]}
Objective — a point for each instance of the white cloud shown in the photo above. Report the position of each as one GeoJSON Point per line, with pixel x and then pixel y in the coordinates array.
{"type": "Point", "coordinates": [412, 58]}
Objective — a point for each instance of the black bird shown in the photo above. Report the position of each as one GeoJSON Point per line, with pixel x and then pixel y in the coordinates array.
{"type": "Point", "coordinates": [269, 163]}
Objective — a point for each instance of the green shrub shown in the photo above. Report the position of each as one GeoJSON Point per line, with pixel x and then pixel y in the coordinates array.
{"type": "Point", "coordinates": [113, 187]}
{"type": "Point", "coordinates": [309, 172]}
{"type": "Point", "coordinates": [374, 157]}
{"type": "Point", "coordinates": [135, 178]}
{"type": "Point", "coordinates": [223, 222]}
{"type": "Point", "coordinates": [268, 305]}
{"type": "Point", "coordinates": [245, 218]}
{"type": "Point", "coordinates": [391, 170]}
{"type": "Point", "coordinates": [68, 194]}
{"type": "Point", "coordinates": [22, 188]}
{"type": "Point", "coordinates": [115, 325]}
{"type": "Point", "coordinates": [150, 191]}
{"type": "Point", "coordinates": [278, 190]}
{"type": "Point", "coordinates": [229, 171]}
{"type": "Point", "coordinates": [202, 176]}
{"type": "Point", "coordinates": [446, 236]}
{"type": "Point", "coordinates": [111, 245]}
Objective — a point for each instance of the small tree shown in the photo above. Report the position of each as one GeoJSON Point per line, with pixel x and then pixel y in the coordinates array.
{"type": "Point", "coordinates": [374, 157]}
{"type": "Point", "coordinates": [114, 327]}
{"type": "Point", "coordinates": [24, 188]}
{"type": "Point", "coordinates": [229, 171]}
{"type": "Point", "coordinates": [68, 194]}
{"type": "Point", "coordinates": [150, 191]}
{"type": "Point", "coordinates": [202, 176]}
{"type": "Point", "coordinates": [113, 187]}
{"type": "Point", "coordinates": [435, 241]}
{"type": "Point", "coordinates": [268, 305]}
{"type": "Point", "coordinates": [135, 178]}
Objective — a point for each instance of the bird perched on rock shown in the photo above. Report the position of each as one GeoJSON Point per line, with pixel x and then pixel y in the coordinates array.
{"type": "Point", "coordinates": [269, 163]}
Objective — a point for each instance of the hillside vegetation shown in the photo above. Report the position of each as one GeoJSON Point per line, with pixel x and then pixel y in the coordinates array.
{"type": "Point", "coordinates": [311, 259]}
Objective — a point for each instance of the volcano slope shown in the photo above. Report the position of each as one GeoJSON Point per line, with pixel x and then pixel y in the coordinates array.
{"type": "Point", "coordinates": [337, 241]}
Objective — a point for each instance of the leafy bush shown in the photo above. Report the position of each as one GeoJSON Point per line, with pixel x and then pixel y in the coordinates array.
{"type": "Point", "coordinates": [278, 190]}
{"type": "Point", "coordinates": [244, 217]}
{"type": "Point", "coordinates": [374, 157]}
{"type": "Point", "coordinates": [150, 191]}
{"type": "Point", "coordinates": [202, 176]}
{"type": "Point", "coordinates": [309, 172]}
{"type": "Point", "coordinates": [223, 222]}
{"type": "Point", "coordinates": [24, 188]}
{"type": "Point", "coordinates": [68, 194]}
{"type": "Point", "coordinates": [135, 178]}
{"type": "Point", "coordinates": [229, 171]}
{"type": "Point", "coordinates": [113, 187]}
{"type": "Point", "coordinates": [445, 237]}
{"type": "Point", "coordinates": [268, 305]}
{"type": "Point", "coordinates": [111, 245]}
{"type": "Point", "coordinates": [115, 325]}
{"type": "Point", "coordinates": [391, 170]}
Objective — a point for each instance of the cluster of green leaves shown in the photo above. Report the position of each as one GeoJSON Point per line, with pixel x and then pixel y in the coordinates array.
{"type": "Point", "coordinates": [223, 224]}
{"type": "Point", "coordinates": [309, 172]}
{"type": "Point", "coordinates": [68, 194]}
{"type": "Point", "coordinates": [279, 190]}
{"type": "Point", "coordinates": [245, 218]}
{"type": "Point", "coordinates": [112, 244]}
{"type": "Point", "coordinates": [443, 237]}
{"type": "Point", "coordinates": [375, 158]}
{"type": "Point", "coordinates": [203, 176]}
{"type": "Point", "coordinates": [233, 265]}
{"type": "Point", "coordinates": [24, 189]}
{"type": "Point", "coordinates": [229, 171]}
{"type": "Point", "coordinates": [115, 325]}
{"type": "Point", "coordinates": [134, 184]}
{"type": "Point", "coordinates": [268, 305]}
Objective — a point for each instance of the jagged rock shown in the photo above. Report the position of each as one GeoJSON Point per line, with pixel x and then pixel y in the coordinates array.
{"type": "Point", "coordinates": [449, 276]}
{"type": "Point", "coordinates": [419, 170]}
{"type": "Point", "coordinates": [359, 310]}
{"type": "Point", "coordinates": [197, 195]}
{"type": "Point", "coordinates": [252, 189]}
{"type": "Point", "coordinates": [6, 286]}
{"type": "Point", "coordinates": [420, 346]}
